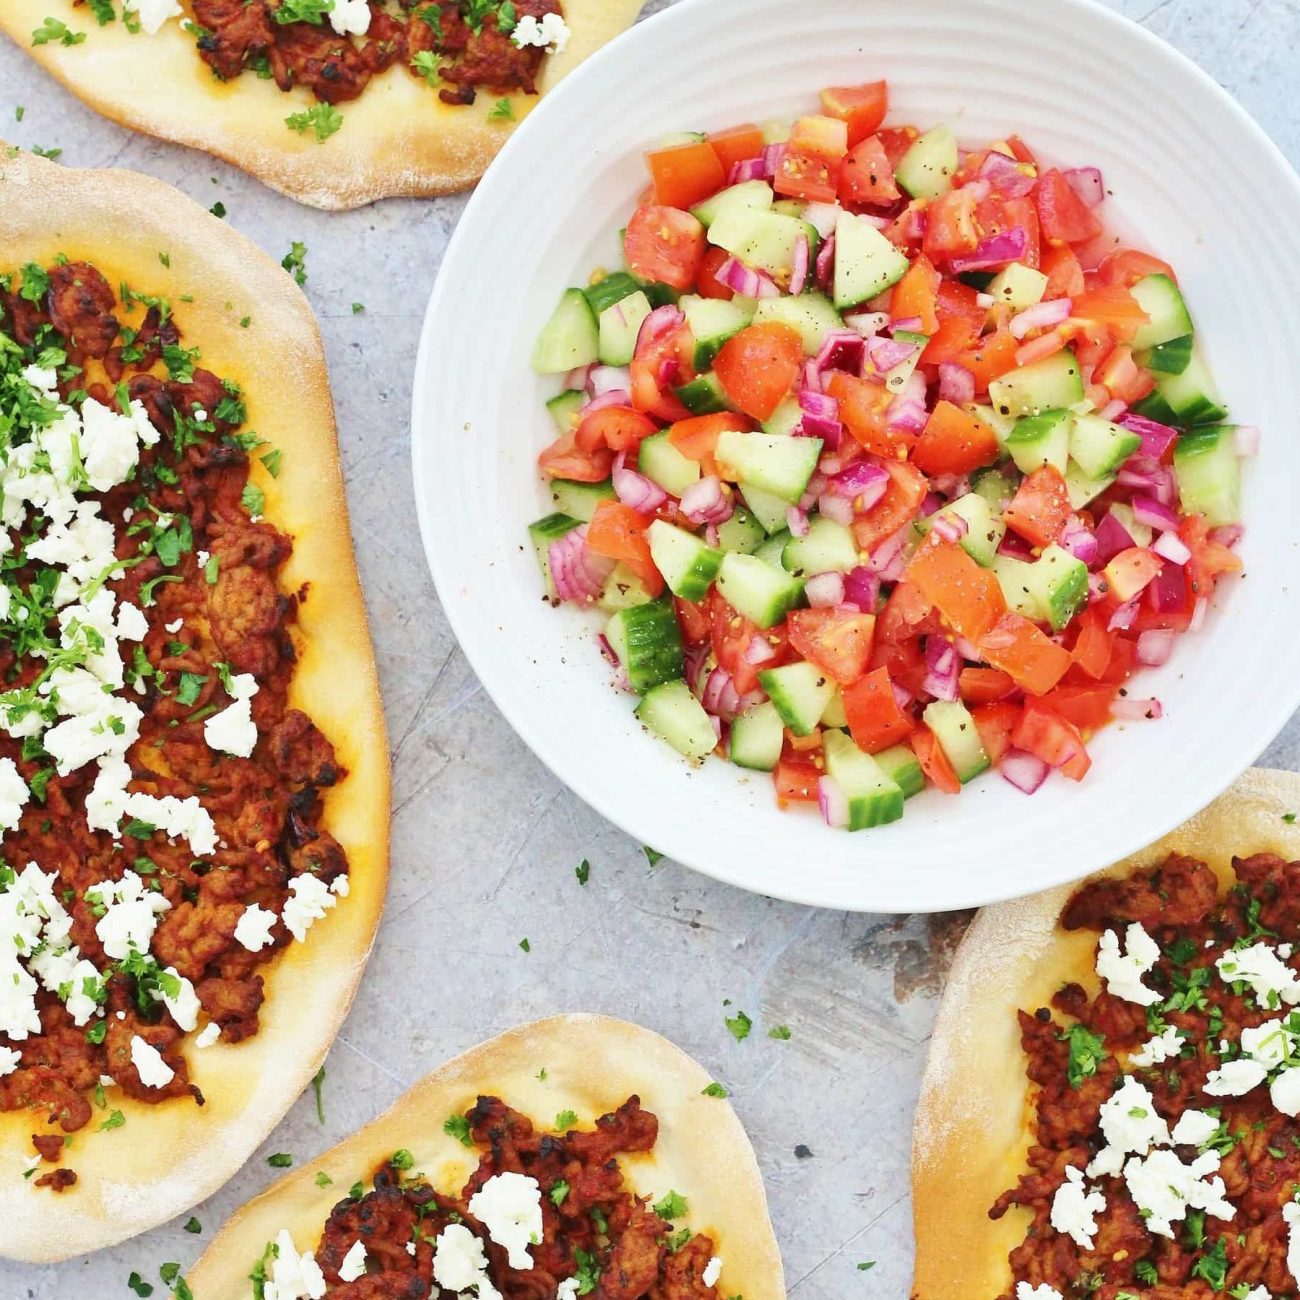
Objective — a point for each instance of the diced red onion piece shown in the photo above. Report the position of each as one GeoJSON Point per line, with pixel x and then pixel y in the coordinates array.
{"type": "Point", "coordinates": [1025, 771]}
{"type": "Point", "coordinates": [1149, 511]}
{"type": "Point", "coordinates": [1113, 410]}
{"type": "Point", "coordinates": [1168, 589]}
{"type": "Point", "coordinates": [824, 267]}
{"type": "Point", "coordinates": [907, 411]}
{"type": "Point", "coordinates": [1006, 175]}
{"type": "Point", "coordinates": [956, 383]}
{"type": "Point", "coordinates": [887, 554]}
{"type": "Point", "coordinates": [1247, 439]}
{"type": "Point", "coordinates": [759, 651]}
{"type": "Point", "coordinates": [799, 273]}
{"type": "Point", "coordinates": [1112, 538]}
{"type": "Point", "coordinates": [985, 300]}
{"type": "Point", "coordinates": [796, 520]}
{"type": "Point", "coordinates": [1228, 535]}
{"type": "Point", "coordinates": [1087, 183]}
{"type": "Point", "coordinates": [815, 403]}
{"type": "Point", "coordinates": [609, 379]}
{"type": "Point", "coordinates": [615, 397]}
{"type": "Point", "coordinates": [862, 588]}
{"type": "Point", "coordinates": [978, 189]}
{"type": "Point", "coordinates": [663, 320]}
{"type": "Point", "coordinates": [832, 802]}
{"type": "Point", "coordinates": [942, 667]}
{"type": "Point", "coordinates": [606, 649]}
{"type": "Point", "coordinates": [745, 281]}
{"type": "Point", "coordinates": [1015, 546]}
{"type": "Point", "coordinates": [704, 502]}
{"type": "Point", "coordinates": [577, 379]}
{"type": "Point", "coordinates": [579, 574]}
{"type": "Point", "coordinates": [902, 696]}
{"type": "Point", "coordinates": [822, 217]}
{"type": "Point", "coordinates": [884, 354]}
{"type": "Point", "coordinates": [1199, 610]}
{"type": "Point", "coordinates": [841, 350]}
{"type": "Point", "coordinates": [931, 503]}
{"type": "Point", "coordinates": [831, 432]}
{"type": "Point", "coordinates": [720, 695]}
{"type": "Point", "coordinates": [1042, 315]}
{"type": "Point", "coordinates": [950, 528]}
{"type": "Point", "coordinates": [1130, 710]}
{"type": "Point", "coordinates": [867, 323]}
{"type": "Point", "coordinates": [995, 252]}
{"type": "Point", "coordinates": [772, 155]}
{"type": "Point", "coordinates": [1172, 548]}
{"type": "Point", "coordinates": [862, 479]}
{"type": "Point", "coordinates": [1122, 618]}
{"type": "Point", "coordinates": [750, 169]}
{"type": "Point", "coordinates": [1080, 541]}
{"type": "Point", "coordinates": [907, 324]}
{"type": "Point", "coordinates": [1156, 438]}
{"type": "Point", "coordinates": [825, 590]}
{"type": "Point", "coordinates": [635, 489]}
{"type": "Point", "coordinates": [840, 509]}
{"type": "Point", "coordinates": [1154, 647]}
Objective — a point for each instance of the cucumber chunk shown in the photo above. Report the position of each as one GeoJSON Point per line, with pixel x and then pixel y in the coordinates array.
{"type": "Point", "coordinates": [1082, 488]}
{"type": "Point", "coordinates": [1191, 395]}
{"type": "Point", "coordinates": [788, 415]}
{"type": "Point", "coordinates": [542, 534]}
{"type": "Point", "coordinates": [1038, 440]}
{"type": "Point", "coordinates": [712, 322]}
{"type": "Point", "coordinates": [772, 551]}
{"type": "Point", "coordinates": [833, 714]}
{"type": "Point", "coordinates": [623, 590]}
{"type": "Point", "coordinates": [619, 326]}
{"type": "Point", "coordinates": [1015, 578]}
{"type": "Point", "coordinates": [1170, 358]}
{"type": "Point", "coordinates": [687, 564]}
{"type": "Point", "coordinates": [1209, 474]}
{"type": "Point", "coordinates": [611, 289]}
{"type": "Point", "coordinates": [1018, 285]}
{"type": "Point", "coordinates": [703, 395]}
{"type": "Point", "coordinates": [742, 532]}
{"type": "Point", "coordinates": [747, 197]}
{"type": "Point", "coordinates": [564, 409]}
{"type": "Point", "coordinates": [757, 737]}
{"type": "Point", "coordinates": [955, 730]}
{"type": "Point", "coordinates": [1099, 447]}
{"type": "Point", "coordinates": [800, 692]}
{"type": "Point", "coordinates": [761, 592]}
{"type": "Point", "coordinates": [1053, 382]}
{"type": "Point", "coordinates": [769, 510]}
{"type": "Point", "coordinates": [778, 465]}
{"type": "Point", "coordinates": [1058, 583]}
{"type": "Point", "coordinates": [925, 170]}
{"type": "Point", "coordinates": [826, 547]}
{"type": "Point", "coordinates": [570, 338]}
{"type": "Point", "coordinates": [580, 499]}
{"type": "Point", "coordinates": [771, 241]}
{"type": "Point", "coordinates": [984, 527]}
{"type": "Point", "coordinates": [900, 764]}
{"type": "Point", "coordinates": [675, 715]}
{"type": "Point", "coordinates": [810, 314]}
{"type": "Point", "coordinates": [1160, 298]}
{"type": "Point", "coordinates": [648, 642]}
{"type": "Point", "coordinates": [866, 263]}
{"type": "Point", "coordinates": [874, 798]}
{"type": "Point", "coordinates": [662, 463]}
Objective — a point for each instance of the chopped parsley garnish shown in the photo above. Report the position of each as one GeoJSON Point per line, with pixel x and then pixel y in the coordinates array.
{"type": "Point", "coordinates": [525, 945]}
{"type": "Point", "coordinates": [52, 29]}
{"type": "Point", "coordinates": [1145, 1271]}
{"type": "Point", "coordinates": [253, 499]}
{"type": "Point", "coordinates": [866, 1266]}
{"type": "Point", "coordinates": [139, 1285]}
{"type": "Point", "coordinates": [1213, 1266]}
{"type": "Point", "coordinates": [295, 261]}
{"type": "Point", "coordinates": [272, 461]}
{"type": "Point", "coordinates": [402, 1159]}
{"type": "Point", "coordinates": [502, 111]}
{"type": "Point", "coordinates": [322, 119]}
{"type": "Point", "coordinates": [358, 308]}
{"type": "Point", "coordinates": [280, 1160]}
{"type": "Point", "coordinates": [218, 209]}
{"type": "Point", "coordinates": [458, 1127]}
{"type": "Point", "coordinates": [780, 1032]}
{"type": "Point", "coordinates": [318, 1087]}
{"type": "Point", "coordinates": [303, 11]}
{"type": "Point", "coordinates": [40, 152]}
{"type": "Point", "coordinates": [565, 1120]}
{"type": "Point", "coordinates": [1086, 1053]}
{"type": "Point", "coordinates": [193, 1225]}
{"type": "Point", "coordinates": [323, 1179]}
{"type": "Point", "coordinates": [559, 1192]}
{"type": "Point", "coordinates": [191, 686]}
{"type": "Point", "coordinates": [740, 1025]}
{"type": "Point", "coordinates": [652, 856]}
{"type": "Point", "coordinates": [588, 1272]}
{"type": "Point", "coordinates": [1289, 818]}
{"type": "Point", "coordinates": [115, 1120]}
{"type": "Point", "coordinates": [425, 64]}
{"type": "Point", "coordinates": [714, 1090]}
{"type": "Point", "coordinates": [583, 871]}
{"type": "Point", "coordinates": [672, 1206]}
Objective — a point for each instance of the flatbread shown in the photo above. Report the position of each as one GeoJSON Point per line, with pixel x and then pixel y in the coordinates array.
{"type": "Point", "coordinates": [397, 139]}
{"type": "Point", "coordinates": [171, 1155]}
{"type": "Point", "coordinates": [973, 1119]}
{"type": "Point", "coordinates": [593, 1064]}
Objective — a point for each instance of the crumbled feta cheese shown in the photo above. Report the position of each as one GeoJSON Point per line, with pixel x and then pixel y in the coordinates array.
{"type": "Point", "coordinates": [1271, 1044]}
{"type": "Point", "coordinates": [1194, 1129]}
{"type": "Point", "coordinates": [14, 794]}
{"type": "Point", "coordinates": [183, 1004]}
{"type": "Point", "coordinates": [1291, 1213]}
{"type": "Point", "coordinates": [1235, 1078]}
{"type": "Point", "coordinates": [109, 801]}
{"type": "Point", "coordinates": [31, 1163]}
{"type": "Point", "coordinates": [1286, 951]}
{"type": "Point", "coordinates": [509, 1206]}
{"type": "Point", "coordinates": [174, 626]}
{"type": "Point", "coordinates": [293, 1276]}
{"type": "Point", "coordinates": [1075, 1209]}
{"type": "Point", "coordinates": [253, 929]}
{"type": "Point", "coordinates": [131, 622]}
{"type": "Point", "coordinates": [1130, 1124]}
{"type": "Point", "coordinates": [1284, 1092]}
{"type": "Point", "coordinates": [410, 1249]}
{"type": "Point", "coordinates": [1258, 1293]}
{"type": "Point", "coordinates": [552, 32]}
{"type": "Point", "coordinates": [10, 1059]}
{"type": "Point", "coordinates": [1123, 972]}
{"type": "Point", "coordinates": [568, 1289]}
{"type": "Point", "coordinates": [308, 901]}
{"type": "Point", "coordinates": [460, 1263]}
{"type": "Point", "coordinates": [1270, 978]}
{"type": "Point", "coordinates": [712, 1272]}
{"type": "Point", "coordinates": [1164, 1188]}
{"type": "Point", "coordinates": [110, 444]}
{"type": "Point", "coordinates": [153, 14]}
{"type": "Point", "coordinates": [233, 729]}
{"type": "Point", "coordinates": [154, 1072]}
{"type": "Point", "coordinates": [130, 917]}
{"type": "Point", "coordinates": [201, 558]}
{"type": "Point", "coordinates": [353, 1264]}
{"type": "Point", "coordinates": [1156, 1051]}
{"type": "Point", "coordinates": [350, 17]}
{"type": "Point", "coordinates": [1041, 1292]}
{"type": "Point", "coordinates": [209, 1034]}
{"type": "Point", "coordinates": [341, 886]}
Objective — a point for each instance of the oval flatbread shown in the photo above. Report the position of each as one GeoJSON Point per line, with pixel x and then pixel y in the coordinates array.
{"type": "Point", "coordinates": [398, 138]}
{"type": "Point", "coordinates": [973, 1121]}
{"type": "Point", "coordinates": [583, 1063]}
{"type": "Point", "coordinates": [255, 327]}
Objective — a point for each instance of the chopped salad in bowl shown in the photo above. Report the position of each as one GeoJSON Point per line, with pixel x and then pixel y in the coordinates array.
{"type": "Point", "coordinates": [884, 462]}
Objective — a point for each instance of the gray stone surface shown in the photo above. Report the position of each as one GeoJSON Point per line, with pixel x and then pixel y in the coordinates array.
{"type": "Point", "coordinates": [485, 840]}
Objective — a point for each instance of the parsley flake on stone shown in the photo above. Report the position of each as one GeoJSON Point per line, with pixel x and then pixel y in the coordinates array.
{"type": "Point", "coordinates": [739, 1025]}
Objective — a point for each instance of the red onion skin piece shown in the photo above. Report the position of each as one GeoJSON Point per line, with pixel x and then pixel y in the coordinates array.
{"type": "Point", "coordinates": [1024, 771]}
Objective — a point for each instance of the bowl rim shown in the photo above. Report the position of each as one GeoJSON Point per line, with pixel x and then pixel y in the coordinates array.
{"type": "Point", "coordinates": [672, 836]}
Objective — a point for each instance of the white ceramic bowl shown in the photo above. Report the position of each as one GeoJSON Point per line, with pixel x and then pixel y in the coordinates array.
{"type": "Point", "coordinates": [1188, 169]}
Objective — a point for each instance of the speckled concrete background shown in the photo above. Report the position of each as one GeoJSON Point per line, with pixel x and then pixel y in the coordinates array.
{"type": "Point", "coordinates": [486, 841]}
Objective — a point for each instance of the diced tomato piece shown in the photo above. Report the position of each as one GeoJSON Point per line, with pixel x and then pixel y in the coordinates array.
{"type": "Point", "coordinates": [934, 762]}
{"type": "Point", "coordinates": [897, 140]}
{"type": "Point", "coordinates": [664, 244]}
{"type": "Point", "coordinates": [955, 336]}
{"type": "Point", "coordinates": [1039, 349]}
{"type": "Point", "coordinates": [966, 595]}
{"type": "Point", "coordinates": [693, 620]}
{"type": "Point", "coordinates": [1064, 274]}
{"type": "Point", "coordinates": [1027, 655]}
{"type": "Point", "coordinates": [984, 685]}
{"type": "Point", "coordinates": [1113, 306]}
{"type": "Point", "coordinates": [1046, 734]}
{"type": "Point", "coordinates": [564, 459]}
{"type": "Point", "coordinates": [906, 617]}
{"type": "Point", "coordinates": [796, 777]}
{"type": "Point", "coordinates": [864, 406]}
{"type": "Point", "coordinates": [875, 720]}
{"type": "Point", "coordinates": [995, 723]}
{"type": "Point", "coordinates": [1020, 151]}
{"type": "Point", "coordinates": [1092, 649]}
{"type": "Point", "coordinates": [697, 437]}
{"type": "Point", "coordinates": [685, 174]}
{"type": "Point", "coordinates": [1128, 572]}
{"type": "Point", "coordinates": [917, 295]}
{"type": "Point", "coordinates": [905, 493]}
{"type": "Point", "coordinates": [1127, 266]}
{"type": "Point", "coordinates": [658, 366]}
{"type": "Point", "coordinates": [1087, 707]}
{"type": "Point", "coordinates": [1041, 507]}
{"type": "Point", "coordinates": [996, 214]}
{"type": "Point", "coordinates": [708, 285]}
{"type": "Point", "coordinates": [1210, 560]}
{"type": "Point", "coordinates": [836, 640]}
{"type": "Point", "coordinates": [758, 366]}
{"type": "Point", "coordinates": [1123, 377]}
{"type": "Point", "coordinates": [1123, 658]}
{"type": "Point", "coordinates": [961, 300]}
{"type": "Point", "coordinates": [954, 442]}
{"type": "Point", "coordinates": [991, 358]}
{"type": "Point", "coordinates": [863, 108]}
{"type": "Point", "coordinates": [618, 532]}
{"type": "Point", "coordinates": [950, 228]}
{"type": "Point", "coordinates": [866, 178]}
{"type": "Point", "coordinates": [731, 635]}
{"type": "Point", "coordinates": [1065, 217]}
{"type": "Point", "coordinates": [617, 427]}
{"type": "Point", "coordinates": [810, 163]}
{"type": "Point", "coordinates": [736, 145]}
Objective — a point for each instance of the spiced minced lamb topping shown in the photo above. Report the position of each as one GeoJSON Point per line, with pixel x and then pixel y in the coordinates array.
{"type": "Point", "coordinates": [544, 1214]}
{"type": "Point", "coordinates": [159, 800]}
{"type": "Point", "coordinates": [1166, 1156]}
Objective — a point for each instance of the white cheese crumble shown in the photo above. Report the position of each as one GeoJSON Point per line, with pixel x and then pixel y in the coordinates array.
{"type": "Point", "coordinates": [253, 929]}
{"type": "Point", "coordinates": [10, 1059]}
{"type": "Point", "coordinates": [1163, 1047]}
{"type": "Point", "coordinates": [1075, 1209]}
{"type": "Point", "coordinates": [154, 13]}
{"type": "Point", "coordinates": [131, 622]}
{"type": "Point", "coordinates": [109, 801]}
{"type": "Point", "coordinates": [1235, 1078]}
{"type": "Point", "coordinates": [1268, 976]}
{"type": "Point", "coordinates": [353, 1265]}
{"type": "Point", "coordinates": [712, 1272]}
{"type": "Point", "coordinates": [233, 730]}
{"type": "Point", "coordinates": [568, 1289]}
{"type": "Point", "coordinates": [350, 17]}
{"type": "Point", "coordinates": [1291, 1213]}
{"type": "Point", "coordinates": [210, 1033]}
{"type": "Point", "coordinates": [1271, 1044]}
{"type": "Point", "coordinates": [1123, 972]}
{"type": "Point", "coordinates": [1194, 1129]}
{"type": "Point", "coordinates": [460, 1263]}
{"type": "Point", "coordinates": [1164, 1188]}
{"type": "Point", "coordinates": [509, 1206]}
{"type": "Point", "coordinates": [308, 901]}
{"type": "Point", "coordinates": [1041, 1292]}
{"type": "Point", "coordinates": [154, 1072]}
{"type": "Point", "coordinates": [184, 1003]}
{"type": "Point", "coordinates": [130, 916]}
{"type": "Point", "coordinates": [1131, 1125]}
{"type": "Point", "coordinates": [14, 794]}
{"type": "Point", "coordinates": [174, 626]}
{"type": "Point", "coordinates": [1284, 1092]}
{"type": "Point", "coordinates": [551, 33]}
{"type": "Point", "coordinates": [293, 1276]}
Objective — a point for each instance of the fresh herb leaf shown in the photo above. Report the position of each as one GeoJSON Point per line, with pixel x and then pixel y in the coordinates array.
{"type": "Point", "coordinates": [671, 1206]}
{"type": "Point", "coordinates": [52, 29]}
{"type": "Point", "coordinates": [583, 871]}
{"type": "Point", "coordinates": [253, 499]}
{"type": "Point", "coordinates": [1086, 1053]}
{"type": "Point", "coordinates": [193, 1225]}
{"type": "Point", "coordinates": [780, 1032]}
{"type": "Point", "coordinates": [323, 119]}
{"type": "Point", "coordinates": [740, 1025]}
{"type": "Point", "coordinates": [652, 856]}
{"type": "Point", "coordinates": [280, 1160]}
{"type": "Point", "coordinates": [458, 1127]}
{"type": "Point", "coordinates": [139, 1285]}
{"type": "Point", "coordinates": [115, 1120]}
{"type": "Point", "coordinates": [559, 1192]}
{"type": "Point", "coordinates": [502, 111]}
{"type": "Point", "coordinates": [295, 262]}
{"type": "Point", "coordinates": [318, 1087]}
{"type": "Point", "coordinates": [714, 1090]}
